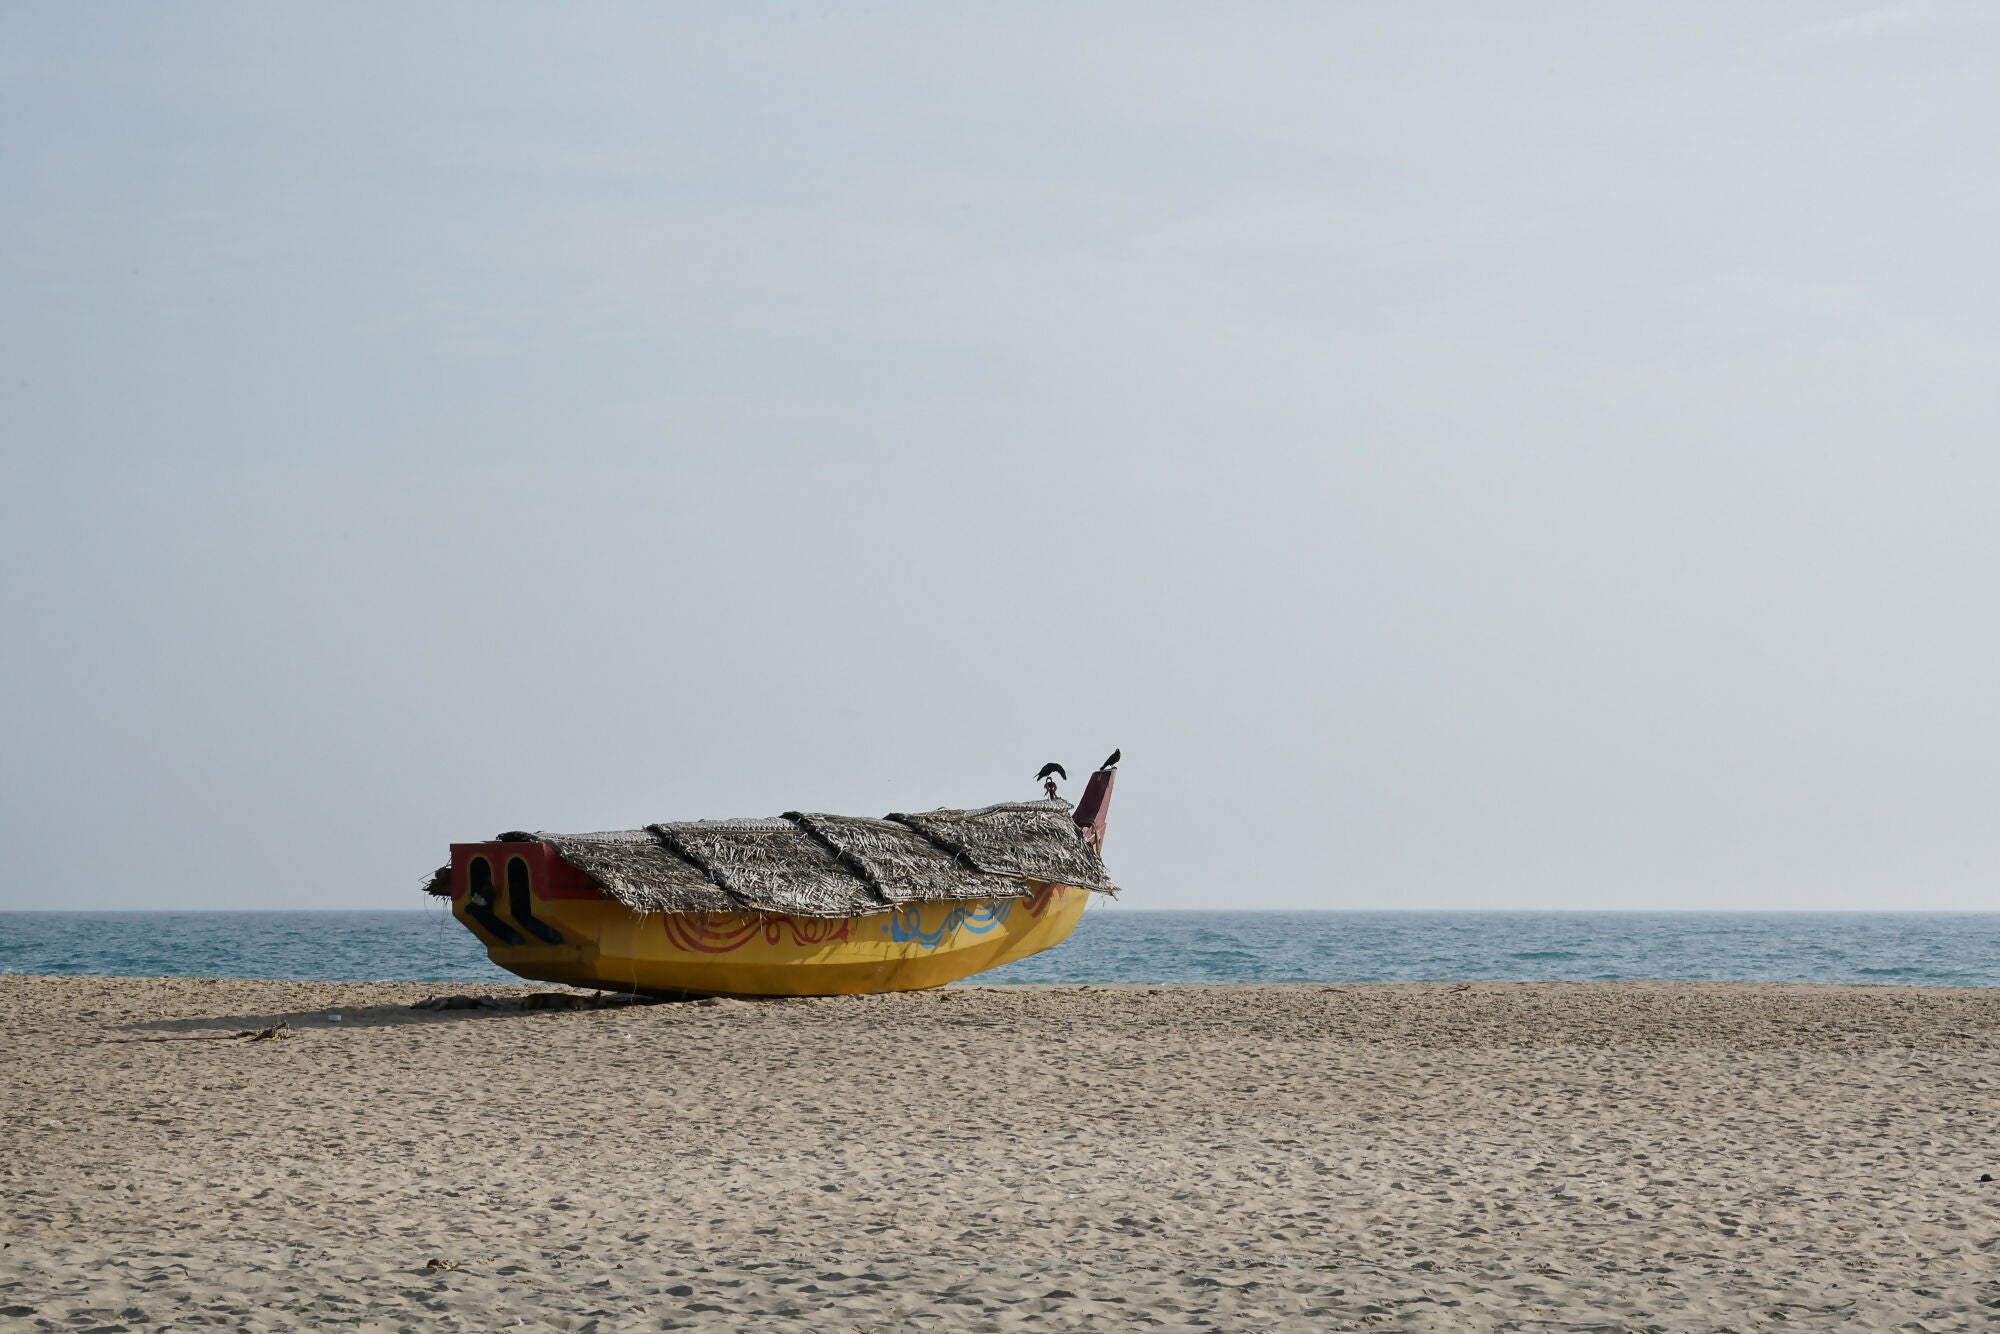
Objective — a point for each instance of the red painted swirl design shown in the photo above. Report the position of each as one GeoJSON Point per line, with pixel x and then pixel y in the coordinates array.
{"type": "Point", "coordinates": [703, 934]}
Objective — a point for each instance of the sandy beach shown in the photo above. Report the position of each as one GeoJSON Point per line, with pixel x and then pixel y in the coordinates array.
{"type": "Point", "coordinates": [1534, 1156]}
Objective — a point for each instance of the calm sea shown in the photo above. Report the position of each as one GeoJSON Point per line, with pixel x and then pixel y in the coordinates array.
{"type": "Point", "coordinates": [1919, 949]}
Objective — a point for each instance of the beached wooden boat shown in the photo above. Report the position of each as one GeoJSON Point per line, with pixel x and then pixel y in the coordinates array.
{"type": "Point", "coordinates": [803, 905]}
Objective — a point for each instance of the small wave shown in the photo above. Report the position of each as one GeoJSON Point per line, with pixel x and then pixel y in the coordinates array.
{"type": "Point", "coordinates": [1891, 972]}
{"type": "Point", "coordinates": [1545, 954]}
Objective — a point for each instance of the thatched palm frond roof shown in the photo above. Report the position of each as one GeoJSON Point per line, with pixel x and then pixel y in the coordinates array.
{"type": "Point", "coordinates": [774, 865]}
{"type": "Point", "coordinates": [636, 867]}
{"type": "Point", "coordinates": [903, 865]}
{"type": "Point", "coordinates": [813, 865]}
{"type": "Point", "coordinates": [1034, 839]}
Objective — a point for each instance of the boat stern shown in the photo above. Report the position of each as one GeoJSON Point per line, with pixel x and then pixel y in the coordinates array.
{"type": "Point", "coordinates": [536, 914]}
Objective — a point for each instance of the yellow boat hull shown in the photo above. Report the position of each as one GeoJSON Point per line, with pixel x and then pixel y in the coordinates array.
{"type": "Point", "coordinates": [607, 945]}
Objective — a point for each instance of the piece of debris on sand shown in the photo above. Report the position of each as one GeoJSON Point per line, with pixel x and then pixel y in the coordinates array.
{"type": "Point", "coordinates": [457, 1003]}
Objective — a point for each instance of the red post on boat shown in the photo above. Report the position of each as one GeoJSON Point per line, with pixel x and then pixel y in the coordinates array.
{"type": "Point", "coordinates": [1089, 813]}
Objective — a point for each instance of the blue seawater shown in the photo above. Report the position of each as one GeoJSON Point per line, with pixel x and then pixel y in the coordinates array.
{"type": "Point", "coordinates": [420, 945]}
{"type": "Point", "coordinates": [1116, 945]}
{"type": "Point", "coordinates": [1915, 949]}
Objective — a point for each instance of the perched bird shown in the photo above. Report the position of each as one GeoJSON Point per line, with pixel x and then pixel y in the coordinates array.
{"type": "Point", "coordinates": [1048, 783]}
{"type": "Point", "coordinates": [1112, 763]}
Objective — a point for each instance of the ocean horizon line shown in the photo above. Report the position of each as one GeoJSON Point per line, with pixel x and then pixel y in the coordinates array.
{"type": "Point", "coordinates": [1149, 945]}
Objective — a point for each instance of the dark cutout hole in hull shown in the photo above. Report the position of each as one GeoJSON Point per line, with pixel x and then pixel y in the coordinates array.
{"type": "Point", "coordinates": [479, 904]}
{"type": "Point", "coordinates": [521, 907]}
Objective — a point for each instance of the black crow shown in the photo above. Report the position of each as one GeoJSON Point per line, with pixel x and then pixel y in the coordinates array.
{"type": "Point", "coordinates": [1112, 763]}
{"type": "Point", "coordinates": [1052, 768]}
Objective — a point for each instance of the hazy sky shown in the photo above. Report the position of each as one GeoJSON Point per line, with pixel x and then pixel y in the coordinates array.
{"type": "Point", "coordinates": [1467, 456]}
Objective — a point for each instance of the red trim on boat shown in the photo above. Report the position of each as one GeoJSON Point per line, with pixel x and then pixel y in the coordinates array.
{"type": "Point", "coordinates": [549, 876]}
{"type": "Point", "coordinates": [1096, 804]}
